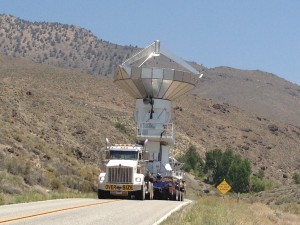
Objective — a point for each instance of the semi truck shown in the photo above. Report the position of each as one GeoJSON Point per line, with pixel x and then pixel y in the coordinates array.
{"type": "Point", "coordinates": [127, 175]}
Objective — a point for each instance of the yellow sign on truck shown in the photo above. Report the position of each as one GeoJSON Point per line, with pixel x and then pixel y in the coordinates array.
{"type": "Point", "coordinates": [224, 187]}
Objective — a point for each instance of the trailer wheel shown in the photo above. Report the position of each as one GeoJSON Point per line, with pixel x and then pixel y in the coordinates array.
{"type": "Point", "coordinates": [173, 196]}
{"type": "Point", "coordinates": [179, 196]}
{"type": "Point", "coordinates": [182, 196]}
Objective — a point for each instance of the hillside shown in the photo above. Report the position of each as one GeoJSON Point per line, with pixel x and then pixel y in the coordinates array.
{"type": "Point", "coordinates": [61, 45]}
{"type": "Point", "coordinates": [69, 46]}
{"type": "Point", "coordinates": [54, 122]}
{"type": "Point", "coordinates": [255, 91]}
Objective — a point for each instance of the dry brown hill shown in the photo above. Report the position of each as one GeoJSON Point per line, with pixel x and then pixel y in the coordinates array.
{"type": "Point", "coordinates": [69, 46]}
{"type": "Point", "coordinates": [53, 123]}
{"type": "Point", "coordinates": [255, 91]}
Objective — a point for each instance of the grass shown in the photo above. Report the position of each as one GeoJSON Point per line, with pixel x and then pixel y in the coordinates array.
{"type": "Point", "coordinates": [214, 210]}
{"type": "Point", "coordinates": [292, 208]}
{"type": "Point", "coordinates": [33, 196]}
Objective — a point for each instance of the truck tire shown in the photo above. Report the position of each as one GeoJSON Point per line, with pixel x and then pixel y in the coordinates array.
{"type": "Point", "coordinates": [179, 195]}
{"type": "Point", "coordinates": [173, 196]}
{"type": "Point", "coordinates": [152, 191]}
{"type": "Point", "coordinates": [140, 195]}
{"type": "Point", "coordinates": [149, 195]}
{"type": "Point", "coordinates": [102, 194]}
{"type": "Point", "coordinates": [152, 194]}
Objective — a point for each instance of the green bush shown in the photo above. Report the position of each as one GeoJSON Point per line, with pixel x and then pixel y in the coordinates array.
{"type": "Point", "coordinates": [121, 127]}
{"type": "Point", "coordinates": [258, 184]}
{"type": "Point", "coordinates": [296, 178]}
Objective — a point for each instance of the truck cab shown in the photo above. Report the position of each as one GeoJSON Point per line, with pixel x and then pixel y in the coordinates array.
{"type": "Point", "coordinates": [125, 173]}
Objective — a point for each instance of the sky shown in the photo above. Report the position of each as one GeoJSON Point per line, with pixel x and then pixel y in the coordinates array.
{"type": "Point", "coordinates": [248, 34]}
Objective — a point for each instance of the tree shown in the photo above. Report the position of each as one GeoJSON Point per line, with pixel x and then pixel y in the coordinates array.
{"type": "Point", "coordinates": [239, 174]}
{"type": "Point", "coordinates": [192, 161]}
{"type": "Point", "coordinates": [224, 164]}
{"type": "Point", "coordinates": [211, 160]}
{"type": "Point", "coordinates": [228, 166]}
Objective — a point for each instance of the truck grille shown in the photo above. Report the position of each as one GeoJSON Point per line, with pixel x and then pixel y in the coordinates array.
{"type": "Point", "coordinates": [119, 175]}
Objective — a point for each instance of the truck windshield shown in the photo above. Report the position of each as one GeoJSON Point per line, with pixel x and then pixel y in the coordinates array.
{"type": "Point", "coordinates": [124, 155]}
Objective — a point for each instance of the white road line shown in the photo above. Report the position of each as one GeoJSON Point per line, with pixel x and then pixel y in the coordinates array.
{"type": "Point", "coordinates": [172, 211]}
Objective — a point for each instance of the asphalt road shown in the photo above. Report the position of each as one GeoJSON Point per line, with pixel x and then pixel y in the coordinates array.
{"type": "Point", "coordinates": [87, 211]}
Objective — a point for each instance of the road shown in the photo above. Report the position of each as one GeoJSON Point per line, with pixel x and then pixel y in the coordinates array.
{"type": "Point", "coordinates": [87, 212]}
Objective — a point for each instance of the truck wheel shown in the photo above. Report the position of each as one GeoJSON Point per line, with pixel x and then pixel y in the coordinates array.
{"type": "Point", "coordinates": [102, 194]}
{"type": "Point", "coordinates": [140, 195]}
{"type": "Point", "coordinates": [147, 196]}
{"type": "Point", "coordinates": [151, 191]}
{"type": "Point", "coordinates": [151, 194]}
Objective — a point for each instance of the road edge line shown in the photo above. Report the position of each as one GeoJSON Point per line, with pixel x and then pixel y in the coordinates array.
{"type": "Point", "coordinates": [172, 211]}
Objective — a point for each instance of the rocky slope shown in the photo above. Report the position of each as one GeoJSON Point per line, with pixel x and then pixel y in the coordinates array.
{"type": "Point", "coordinates": [73, 47]}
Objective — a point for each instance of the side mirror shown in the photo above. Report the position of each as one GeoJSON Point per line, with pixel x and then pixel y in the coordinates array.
{"type": "Point", "coordinates": [107, 144]}
{"type": "Point", "coordinates": [107, 155]}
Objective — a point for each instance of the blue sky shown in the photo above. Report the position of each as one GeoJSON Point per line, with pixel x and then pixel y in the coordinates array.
{"type": "Point", "coordinates": [248, 34]}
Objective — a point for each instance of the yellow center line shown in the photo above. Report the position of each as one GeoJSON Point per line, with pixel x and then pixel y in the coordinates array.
{"type": "Point", "coordinates": [54, 211]}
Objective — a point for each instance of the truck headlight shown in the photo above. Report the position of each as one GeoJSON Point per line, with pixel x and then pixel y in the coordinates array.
{"type": "Point", "coordinates": [138, 179]}
{"type": "Point", "coordinates": [102, 178]}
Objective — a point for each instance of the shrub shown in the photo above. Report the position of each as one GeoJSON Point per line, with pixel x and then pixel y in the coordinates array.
{"type": "Point", "coordinates": [296, 178]}
{"type": "Point", "coordinates": [258, 184]}
{"type": "Point", "coordinates": [121, 127]}
{"type": "Point", "coordinates": [2, 199]}
{"type": "Point", "coordinates": [56, 184]}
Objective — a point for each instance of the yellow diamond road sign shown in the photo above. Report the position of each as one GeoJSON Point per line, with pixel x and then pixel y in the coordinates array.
{"type": "Point", "coordinates": [224, 187]}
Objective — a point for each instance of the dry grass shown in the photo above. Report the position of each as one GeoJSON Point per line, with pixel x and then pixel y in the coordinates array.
{"type": "Point", "coordinates": [215, 210]}
{"type": "Point", "coordinates": [39, 195]}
